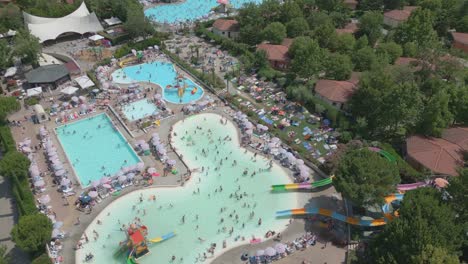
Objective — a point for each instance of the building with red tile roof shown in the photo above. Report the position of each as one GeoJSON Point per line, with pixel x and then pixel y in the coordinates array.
{"type": "Point", "coordinates": [351, 4]}
{"type": "Point", "coordinates": [395, 17]}
{"type": "Point", "coordinates": [439, 155]}
{"type": "Point", "coordinates": [277, 55]}
{"type": "Point", "coordinates": [337, 93]}
{"type": "Point", "coordinates": [226, 27]}
{"type": "Point", "coordinates": [350, 28]}
{"type": "Point", "coordinates": [460, 41]}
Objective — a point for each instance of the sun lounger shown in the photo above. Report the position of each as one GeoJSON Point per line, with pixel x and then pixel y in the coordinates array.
{"type": "Point", "coordinates": [307, 146]}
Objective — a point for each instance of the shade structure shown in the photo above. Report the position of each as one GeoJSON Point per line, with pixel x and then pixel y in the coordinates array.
{"type": "Point", "coordinates": [107, 186]}
{"type": "Point", "coordinates": [44, 199]}
{"type": "Point", "coordinates": [95, 183]}
{"type": "Point", "coordinates": [269, 251]}
{"type": "Point", "coordinates": [260, 253]}
{"type": "Point", "coordinates": [280, 248]}
{"type": "Point", "coordinates": [64, 182]}
{"type": "Point", "coordinates": [93, 194]}
{"type": "Point", "coordinates": [105, 179]}
{"type": "Point", "coordinates": [69, 90]}
{"type": "Point", "coordinates": [39, 183]}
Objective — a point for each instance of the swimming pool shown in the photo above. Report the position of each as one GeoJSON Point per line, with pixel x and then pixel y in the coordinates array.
{"type": "Point", "coordinates": [188, 10]}
{"type": "Point", "coordinates": [164, 75]}
{"type": "Point", "coordinates": [139, 109]}
{"type": "Point", "coordinates": [161, 218]}
{"type": "Point", "coordinates": [95, 147]}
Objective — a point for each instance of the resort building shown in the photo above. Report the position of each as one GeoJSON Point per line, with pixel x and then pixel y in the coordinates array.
{"type": "Point", "coordinates": [393, 18]}
{"type": "Point", "coordinates": [351, 4]}
{"type": "Point", "coordinates": [439, 155]}
{"type": "Point", "coordinates": [350, 28]}
{"type": "Point", "coordinates": [49, 76]}
{"type": "Point", "coordinates": [277, 55]}
{"type": "Point", "coordinates": [337, 93]}
{"type": "Point", "coordinates": [226, 27]}
{"type": "Point", "coordinates": [460, 41]}
{"type": "Point", "coordinates": [81, 21]}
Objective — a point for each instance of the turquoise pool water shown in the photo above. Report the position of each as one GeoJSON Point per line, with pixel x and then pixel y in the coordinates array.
{"type": "Point", "coordinates": [162, 74]}
{"type": "Point", "coordinates": [95, 147]}
{"type": "Point", "coordinates": [139, 109]}
{"type": "Point", "coordinates": [188, 10]}
{"type": "Point", "coordinates": [162, 218]}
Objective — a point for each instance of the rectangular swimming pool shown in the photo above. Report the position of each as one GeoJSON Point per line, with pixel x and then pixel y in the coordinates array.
{"type": "Point", "coordinates": [95, 148]}
{"type": "Point", "coordinates": [139, 109]}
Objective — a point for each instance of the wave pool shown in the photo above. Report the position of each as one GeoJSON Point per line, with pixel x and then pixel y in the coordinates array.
{"type": "Point", "coordinates": [207, 208]}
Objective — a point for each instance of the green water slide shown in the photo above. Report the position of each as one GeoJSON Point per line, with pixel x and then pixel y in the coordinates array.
{"type": "Point", "coordinates": [304, 185]}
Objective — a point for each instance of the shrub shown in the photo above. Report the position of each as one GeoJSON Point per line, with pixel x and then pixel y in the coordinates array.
{"type": "Point", "coordinates": [42, 259]}
{"type": "Point", "coordinates": [32, 233]}
{"type": "Point", "coordinates": [31, 101]}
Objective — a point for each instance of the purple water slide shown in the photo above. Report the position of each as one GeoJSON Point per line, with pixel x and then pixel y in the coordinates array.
{"type": "Point", "coordinates": [411, 186]}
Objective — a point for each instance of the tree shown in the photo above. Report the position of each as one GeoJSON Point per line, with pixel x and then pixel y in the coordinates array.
{"type": "Point", "coordinates": [462, 24]}
{"type": "Point", "coordinates": [290, 10]}
{"type": "Point", "coordinates": [364, 59]}
{"type": "Point", "coordinates": [370, 25]}
{"type": "Point", "coordinates": [390, 108]}
{"type": "Point", "coordinates": [7, 106]}
{"type": "Point", "coordinates": [274, 32]}
{"type": "Point", "coordinates": [418, 29]}
{"type": "Point", "coordinates": [394, 4]}
{"type": "Point", "coordinates": [338, 67]}
{"type": "Point", "coordinates": [344, 43]}
{"type": "Point", "coordinates": [3, 257]}
{"type": "Point", "coordinates": [10, 17]}
{"type": "Point", "coordinates": [457, 190]}
{"type": "Point", "coordinates": [329, 5]}
{"type": "Point", "coordinates": [14, 164]}
{"type": "Point", "coordinates": [318, 19]}
{"type": "Point", "coordinates": [365, 177]}
{"type": "Point", "coordinates": [137, 25]}
{"type": "Point", "coordinates": [410, 49]}
{"type": "Point", "coordinates": [436, 115]}
{"type": "Point", "coordinates": [5, 55]}
{"type": "Point", "coordinates": [390, 50]}
{"type": "Point", "coordinates": [27, 47]}
{"type": "Point", "coordinates": [325, 35]}
{"type": "Point", "coordinates": [306, 57]}
{"type": "Point", "coordinates": [458, 104]}
{"type": "Point", "coordinates": [297, 27]}
{"type": "Point", "coordinates": [32, 233]}
{"type": "Point", "coordinates": [426, 231]}
{"type": "Point", "coordinates": [366, 5]}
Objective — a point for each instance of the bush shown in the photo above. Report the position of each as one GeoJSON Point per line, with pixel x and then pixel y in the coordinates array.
{"type": "Point", "coordinates": [31, 101]}
{"type": "Point", "coordinates": [32, 233]}
{"type": "Point", "coordinates": [42, 259]}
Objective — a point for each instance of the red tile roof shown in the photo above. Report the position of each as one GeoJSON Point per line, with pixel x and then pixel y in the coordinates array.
{"type": "Point", "coordinates": [275, 52]}
{"type": "Point", "coordinates": [400, 15]}
{"type": "Point", "coordinates": [405, 61]}
{"type": "Point", "coordinates": [460, 37]}
{"type": "Point", "coordinates": [441, 155]}
{"type": "Point", "coordinates": [335, 91]}
{"type": "Point", "coordinates": [226, 25]}
{"type": "Point", "coordinates": [72, 67]}
{"type": "Point", "coordinates": [350, 28]}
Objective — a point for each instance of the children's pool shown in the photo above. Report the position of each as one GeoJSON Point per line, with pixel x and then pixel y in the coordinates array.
{"type": "Point", "coordinates": [188, 10]}
{"type": "Point", "coordinates": [139, 109]}
{"type": "Point", "coordinates": [95, 147]}
{"type": "Point", "coordinates": [164, 75]}
{"type": "Point", "coordinates": [200, 200]}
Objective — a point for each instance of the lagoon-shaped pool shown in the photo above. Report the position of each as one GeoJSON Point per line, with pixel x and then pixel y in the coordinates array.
{"type": "Point", "coordinates": [188, 10]}
{"type": "Point", "coordinates": [200, 201]}
{"type": "Point", "coordinates": [164, 75]}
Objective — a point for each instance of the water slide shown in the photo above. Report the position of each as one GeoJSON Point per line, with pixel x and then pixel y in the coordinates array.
{"type": "Point", "coordinates": [304, 185]}
{"type": "Point", "coordinates": [350, 220]}
{"type": "Point", "coordinates": [131, 260]}
{"type": "Point", "coordinates": [411, 186]}
{"type": "Point", "coordinates": [125, 61]}
{"type": "Point", "coordinates": [384, 154]}
{"type": "Point", "coordinates": [162, 238]}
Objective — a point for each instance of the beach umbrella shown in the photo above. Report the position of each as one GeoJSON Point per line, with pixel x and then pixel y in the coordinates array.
{"type": "Point", "coordinates": [44, 199]}
{"type": "Point", "coordinates": [56, 233]}
{"type": "Point", "coordinates": [39, 183]}
{"type": "Point", "coordinates": [441, 183]}
{"type": "Point", "coordinates": [75, 99]}
{"type": "Point", "coordinates": [260, 253]}
{"type": "Point", "coordinates": [61, 173]}
{"type": "Point", "coordinates": [52, 153]}
{"type": "Point", "coordinates": [155, 135]}
{"type": "Point", "coordinates": [140, 142]}
{"type": "Point", "coordinates": [140, 166]}
{"type": "Point", "coordinates": [95, 183]}
{"type": "Point", "coordinates": [35, 173]}
{"type": "Point", "coordinates": [82, 98]}
{"type": "Point", "coordinates": [275, 140]}
{"type": "Point", "coordinates": [131, 176]}
{"type": "Point", "coordinates": [31, 157]}
{"type": "Point", "coordinates": [107, 186]}
{"type": "Point", "coordinates": [151, 170]}
{"type": "Point", "coordinates": [65, 104]}
{"type": "Point", "coordinates": [95, 90]}
{"type": "Point", "coordinates": [26, 149]}
{"type": "Point", "coordinates": [33, 167]}
{"type": "Point", "coordinates": [93, 194]}
{"type": "Point", "coordinates": [157, 96]}
{"type": "Point", "coordinates": [299, 162]}
{"type": "Point", "coordinates": [162, 152]}
{"type": "Point", "coordinates": [105, 180]}
{"type": "Point", "coordinates": [121, 172]}
{"type": "Point", "coordinates": [171, 162]}
{"type": "Point", "coordinates": [58, 225]}
{"type": "Point", "coordinates": [122, 178]}
{"type": "Point", "coordinates": [248, 125]}
{"type": "Point", "coordinates": [269, 251]}
{"type": "Point", "coordinates": [85, 199]}
{"type": "Point", "coordinates": [249, 132]}
{"type": "Point", "coordinates": [55, 105]}
{"type": "Point", "coordinates": [57, 167]}
{"type": "Point", "coordinates": [64, 181]}
{"type": "Point", "coordinates": [145, 146]}
{"type": "Point", "coordinates": [55, 160]}
{"type": "Point", "coordinates": [271, 145]}
{"type": "Point", "coordinates": [280, 248]}
{"type": "Point", "coordinates": [26, 142]}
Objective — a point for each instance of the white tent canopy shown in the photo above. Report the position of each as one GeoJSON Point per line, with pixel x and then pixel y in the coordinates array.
{"type": "Point", "coordinates": [84, 82]}
{"type": "Point", "coordinates": [113, 21]}
{"type": "Point", "coordinates": [34, 91]}
{"type": "Point", "coordinates": [10, 72]}
{"type": "Point", "coordinates": [96, 37]}
{"type": "Point", "coordinates": [69, 90]}
{"type": "Point", "coordinates": [80, 21]}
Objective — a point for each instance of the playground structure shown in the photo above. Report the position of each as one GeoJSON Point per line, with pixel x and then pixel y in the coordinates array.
{"type": "Point", "coordinates": [350, 220]}
{"type": "Point", "coordinates": [304, 185]}
{"type": "Point", "coordinates": [137, 56]}
{"type": "Point", "coordinates": [136, 245]}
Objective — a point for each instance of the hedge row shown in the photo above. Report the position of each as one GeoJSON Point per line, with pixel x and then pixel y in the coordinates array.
{"type": "Point", "coordinates": [210, 79]}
